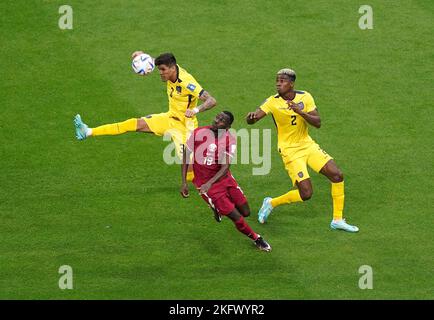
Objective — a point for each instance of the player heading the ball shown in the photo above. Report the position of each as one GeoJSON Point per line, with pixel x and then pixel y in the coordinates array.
{"type": "Point", "coordinates": [183, 93]}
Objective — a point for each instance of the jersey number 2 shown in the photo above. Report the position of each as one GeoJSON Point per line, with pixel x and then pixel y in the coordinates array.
{"type": "Point", "coordinates": [293, 120]}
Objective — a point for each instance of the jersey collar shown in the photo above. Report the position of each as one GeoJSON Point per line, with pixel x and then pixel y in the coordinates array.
{"type": "Point", "coordinates": [177, 75]}
{"type": "Point", "coordinates": [277, 96]}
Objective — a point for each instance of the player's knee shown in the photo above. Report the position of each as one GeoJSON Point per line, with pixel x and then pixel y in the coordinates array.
{"type": "Point", "coordinates": [141, 125]}
{"type": "Point", "coordinates": [244, 209]}
{"type": "Point", "coordinates": [245, 213]}
{"type": "Point", "coordinates": [306, 193]}
{"type": "Point", "coordinates": [338, 176]}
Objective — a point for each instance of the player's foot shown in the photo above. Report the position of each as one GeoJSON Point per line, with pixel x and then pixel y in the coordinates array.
{"type": "Point", "coordinates": [262, 244]}
{"type": "Point", "coordinates": [217, 216]}
{"type": "Point", "coordinates": [80, 128]}
{"type": "Point", "coordinates": [265, 210]}
{"type": "Point", "coordinates": [342, 225]}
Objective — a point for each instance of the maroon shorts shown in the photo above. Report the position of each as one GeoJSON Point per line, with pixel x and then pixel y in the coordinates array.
{"type": "Point", "coordinates": [225, 195]}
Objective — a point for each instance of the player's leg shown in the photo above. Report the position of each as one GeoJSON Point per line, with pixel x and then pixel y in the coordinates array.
{"type": "Point", "coordinates": [305, 189]}
{"type": "Point", "coordinates": [219, 199]}
{"type": "Point", "coordinates": [142, 126]}
{"type": "Point", "coordinates": [297, 171]}
{"type": "Point", "coordinates": [332, 172]}
{"type": "Point", "coordinates": [244, 209]}
{"type": "Point", "coordinates": [190, 125]}
{"type": "Point", "coordinates": [131, 125]}
{"type": "Point", "coordinates": [237, 196]}
{"type": "Point", "coordinates": [83, 131]}
{"type": "Point", "coordinates": [217, 215]}
{"type": "Point", "coordinates": [243, 227]}
{"type": "Point", "coordinates": [179, 134]}
{"type": "Point", "coordinates": [210, 199]}
{"type": "Point", "coordinates": [323, 163]}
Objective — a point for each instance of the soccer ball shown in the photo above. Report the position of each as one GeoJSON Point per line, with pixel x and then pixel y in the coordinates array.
{"type": "Point", "coordinates": [143, 64]}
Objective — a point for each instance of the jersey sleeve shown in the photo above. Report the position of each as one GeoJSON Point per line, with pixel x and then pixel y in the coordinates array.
{"type": "Point", "coordinates": [192, 86]}
{"type": "Point", "coordinates": [309, 103]}
{"type": "Point", "coordinates": [266, 106]}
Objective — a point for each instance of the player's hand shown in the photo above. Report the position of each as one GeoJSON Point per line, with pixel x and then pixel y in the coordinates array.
{"type": "Point", "coordinates": [205, 187]}
{"type": "Point", "coordinates": [294, 106]}
{"type": "Point", "coordinates": [190, 113]}
{"type": "Point", "coordinates": [136, 53]}
{"type": "Point", "coordinates": [184, 191]}
{"type": "Point", "coordinates": [251, 117]}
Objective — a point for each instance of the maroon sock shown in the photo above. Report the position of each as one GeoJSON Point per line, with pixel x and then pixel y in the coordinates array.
{"type": "Point", "coordinates": [243, 227]}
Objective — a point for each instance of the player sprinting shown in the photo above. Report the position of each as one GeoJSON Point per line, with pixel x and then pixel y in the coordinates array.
{"type": "Point", "coordinates": [212, 148]}
{"type": "Point", "coordinates": [183, 92]}
{"type": "Point", "coordinates": [292, 112]}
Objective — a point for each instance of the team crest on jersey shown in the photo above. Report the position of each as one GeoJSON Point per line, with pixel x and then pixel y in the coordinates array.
{"type": "Point", "coordinates": [178, 89]}
{"type": "Point", "coordinates": [300, 174]}
{"type": "Point", "coordinates": [212, 147]}
{"type": "Point", "coordinates": [191, 87]}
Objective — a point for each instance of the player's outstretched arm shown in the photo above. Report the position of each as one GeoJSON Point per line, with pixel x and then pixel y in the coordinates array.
{"type": "Point", "coordinates": [209, 102]}
{"type": "Point", "coordinates": [253, 117]}
{"type": "Point", "coordinates": [184, 167]}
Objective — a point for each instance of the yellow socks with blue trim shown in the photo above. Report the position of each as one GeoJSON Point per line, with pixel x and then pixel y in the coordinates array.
{"type": "Point", "coordinates": [291, 196]}
{"type": "Point", "coordinates": [115, 128]}
{"type": "Point", "coordinates": [338, 200]}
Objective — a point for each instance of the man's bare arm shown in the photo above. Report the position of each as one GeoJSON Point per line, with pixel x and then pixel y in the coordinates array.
{"type": "Point", "coordinates": [253, 117]}
{"type": "Point", "coordinates": [209, 102]}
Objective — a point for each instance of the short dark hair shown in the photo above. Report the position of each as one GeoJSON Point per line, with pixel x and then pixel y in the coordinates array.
{"type": "Point", "coordinates": [230, 115]}
{"type": "Point", "coordinates": [167, 59]}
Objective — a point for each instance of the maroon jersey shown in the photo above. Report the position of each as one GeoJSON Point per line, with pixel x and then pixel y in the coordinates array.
{"type": "Point", "coordinates": [210, 152]}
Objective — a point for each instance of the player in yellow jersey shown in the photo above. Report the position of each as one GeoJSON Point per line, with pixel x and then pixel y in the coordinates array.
{"type": "Point", "coordinates": [292, 112]}
{"type": "Point", "coordinates": [183, 92]}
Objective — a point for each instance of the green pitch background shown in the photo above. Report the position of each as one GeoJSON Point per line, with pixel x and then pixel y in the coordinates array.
{"type": "Point", "coordinates": [109, 207]}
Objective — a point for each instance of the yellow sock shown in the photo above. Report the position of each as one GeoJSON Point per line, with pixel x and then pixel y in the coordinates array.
{"type": "Point", "coordinates": [190, 176]}
{"type": "Point", "coordinates": [115, 128]}
{"type": "Point", "coordinates": [291, 196]}
{"type": "Point", "coordinates": [338, 200]}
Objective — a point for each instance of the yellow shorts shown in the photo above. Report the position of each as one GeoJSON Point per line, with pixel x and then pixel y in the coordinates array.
{"type": "Point", "coordinates": [296, 161]}
{"type": "Point", "coordinates": [179, 130]}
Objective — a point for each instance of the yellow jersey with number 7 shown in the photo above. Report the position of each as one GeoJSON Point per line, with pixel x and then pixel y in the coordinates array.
{"type": "Point", "coordinates": [183, 94]}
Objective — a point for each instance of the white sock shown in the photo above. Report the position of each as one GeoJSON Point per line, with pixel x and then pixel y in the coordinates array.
{"type": "Point", "coordinates": [88, 132]}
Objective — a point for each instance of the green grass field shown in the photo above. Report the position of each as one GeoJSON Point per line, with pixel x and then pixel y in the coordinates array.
{"type": "Point", "coordinates": [109, 207]}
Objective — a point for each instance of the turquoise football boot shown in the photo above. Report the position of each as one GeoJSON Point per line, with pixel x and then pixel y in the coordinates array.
{"type": "Point", "coordinates": [265, 210]}
{"type": "Point", "coordinates": [80, 128]}
{"type": "Point", "coordinates": [342, 225]}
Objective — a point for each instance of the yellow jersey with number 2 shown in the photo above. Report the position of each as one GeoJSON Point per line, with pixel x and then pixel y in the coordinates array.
{"type": "Point", "coordinates": [292, 129]}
